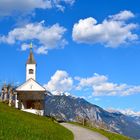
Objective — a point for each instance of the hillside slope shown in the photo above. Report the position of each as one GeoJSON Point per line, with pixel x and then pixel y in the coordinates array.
{"type": "Point", "coordinates": [15, 125]}
{"type": "Point", "coordinates": [69, 109]}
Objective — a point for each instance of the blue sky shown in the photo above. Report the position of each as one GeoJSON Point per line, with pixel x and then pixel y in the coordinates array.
{"type": "Point", "coordinates": [87, 48]}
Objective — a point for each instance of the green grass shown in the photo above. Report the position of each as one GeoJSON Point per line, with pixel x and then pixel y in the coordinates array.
{"type": "Point", "coordinates": [18, 125]}
{"type": "Point", "coordinates": [109, 135]}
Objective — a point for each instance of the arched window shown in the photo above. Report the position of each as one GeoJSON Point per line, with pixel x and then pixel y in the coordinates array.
{"type": "Point", "coordinates": [31, 71]}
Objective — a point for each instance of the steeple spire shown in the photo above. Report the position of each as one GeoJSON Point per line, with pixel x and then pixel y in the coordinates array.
{"type": "Point", "coordinates": [31, 59]}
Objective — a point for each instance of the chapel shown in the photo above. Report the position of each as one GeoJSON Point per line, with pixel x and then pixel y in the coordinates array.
{"type": "Point", "coordinates": [30, 96]}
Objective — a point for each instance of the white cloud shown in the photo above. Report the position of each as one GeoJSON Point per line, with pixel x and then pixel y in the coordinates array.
{"type": "Point", "coordinates": [101, 86]}
{"type": "Point", "coordinates": [46, 37]}
{"type": "Point", "coordinates": [123, 15]}
{"type": "Point", "coordinates": [42, 50]}
{"type": "Point", "coordinates": [10, 7]}
{"type": "Point", "coordinates": [25, 46]}
{"type": "Point", "coordinates": [60, 4]}
{"type": "Point", "coordinates": [87, 82]}
{"type": "Point", "coordinates": [112, 32]}
{"type": "Point", "coordinates": [60, 82]}
{"type": "Point", "coordinates": [95, 86]}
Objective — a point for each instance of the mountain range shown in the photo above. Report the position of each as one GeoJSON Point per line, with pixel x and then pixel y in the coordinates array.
{"type": "Point", "coordinates": [69, 108]}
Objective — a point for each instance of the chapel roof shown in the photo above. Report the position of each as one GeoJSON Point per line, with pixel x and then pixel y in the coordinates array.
{"type": "Point", "coordinates": [31, 59]}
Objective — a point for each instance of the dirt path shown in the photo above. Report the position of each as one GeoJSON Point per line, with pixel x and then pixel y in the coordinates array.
{"type": "Point", "coordinates": [81, 133]}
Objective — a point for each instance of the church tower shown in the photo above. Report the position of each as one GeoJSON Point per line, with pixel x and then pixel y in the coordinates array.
{"type": "Point", "coordinates": [30, 96]}
{"type": "Point", "coordinates": [31, 66]}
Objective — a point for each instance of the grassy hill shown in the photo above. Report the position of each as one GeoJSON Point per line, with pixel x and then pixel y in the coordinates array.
{"type": "Point", "coordinates": [15, 125]}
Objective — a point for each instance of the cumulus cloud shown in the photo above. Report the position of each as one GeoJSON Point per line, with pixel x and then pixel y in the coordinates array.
{"type": "Point", "coordinates": [10, 7]}
{"type": "Point", "coordinates": [123, 15]}
{"type": "Point", "coordinates": [112, 32]}
{"type": "Point", "coordinates": [46, 37]}
{"type": "Point", "coordinates": [60, 82]}
{"type": "Point", "coordinates": [24, 47]}
{"type": "Point", "coordinates": [60, 4]}
{"type": "Point", "coordinates": [86, 82]}
{"type": "Point", "coordinates": [101, 86]}
{"type": "Point", "coordinates": [98, 85]}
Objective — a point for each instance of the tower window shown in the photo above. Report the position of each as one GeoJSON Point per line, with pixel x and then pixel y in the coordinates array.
{"type": "Point", "coordinates": [31, 71]}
